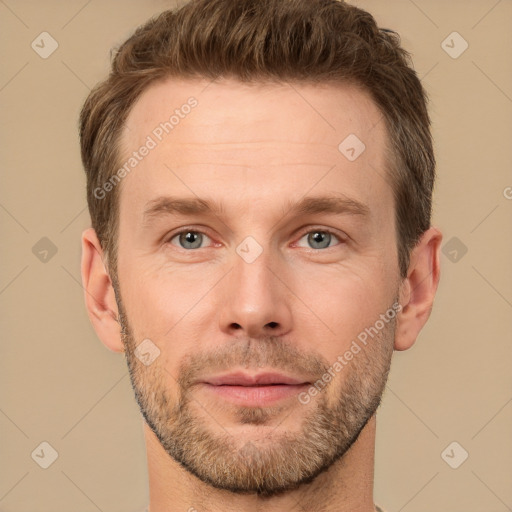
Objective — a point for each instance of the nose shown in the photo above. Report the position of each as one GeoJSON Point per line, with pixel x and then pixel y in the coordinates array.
{"type": "Point", "coordinates": [256, 299]}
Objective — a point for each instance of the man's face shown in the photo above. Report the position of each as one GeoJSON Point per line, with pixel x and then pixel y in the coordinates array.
{"type": "Point", "coordinates": [257, 286]}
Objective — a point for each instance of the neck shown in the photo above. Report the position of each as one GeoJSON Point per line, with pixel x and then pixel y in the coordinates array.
{"type": "Point", "coordinates": [347, 486]}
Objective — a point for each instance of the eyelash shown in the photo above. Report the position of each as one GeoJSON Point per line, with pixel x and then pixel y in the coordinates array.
{"type": "Point", "coordinates": [313, 230]}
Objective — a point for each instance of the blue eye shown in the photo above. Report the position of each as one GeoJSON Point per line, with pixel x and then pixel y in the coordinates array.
{"type": "Point", "coordinates": [189, 239]}
{"type": "Point", "coordinates": [319, 238]}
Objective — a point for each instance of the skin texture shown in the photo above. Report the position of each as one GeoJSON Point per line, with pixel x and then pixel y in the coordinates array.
{"type": "Point", "coordinates": [300, 305]}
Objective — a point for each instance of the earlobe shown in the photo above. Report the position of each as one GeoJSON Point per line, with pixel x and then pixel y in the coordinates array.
{"type": "Point", "coordinates": [418, 289]}
{"type": "Point", "coordinates": [99, 293]}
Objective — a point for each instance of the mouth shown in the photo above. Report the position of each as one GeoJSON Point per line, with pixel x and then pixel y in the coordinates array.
{"type": "Point", "coordinates": [254, 390]}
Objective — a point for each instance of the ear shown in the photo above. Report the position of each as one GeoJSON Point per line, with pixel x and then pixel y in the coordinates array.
{"type": "Point", "coordinates": [99, 293]}
{"type": "Point", "coordinates": [418, 289]}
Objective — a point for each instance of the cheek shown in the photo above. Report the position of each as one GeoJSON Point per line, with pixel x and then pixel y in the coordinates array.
{"type": "Point", "coordinates": [345, 302]}
{"type": "Point", "coordinates": [168, 305]}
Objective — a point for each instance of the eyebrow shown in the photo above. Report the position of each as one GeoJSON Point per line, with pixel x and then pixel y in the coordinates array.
{"type": "Point", "coordinates": [326, 204]}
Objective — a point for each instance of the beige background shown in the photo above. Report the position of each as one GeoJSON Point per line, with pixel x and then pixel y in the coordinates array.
{"type": "Point", "coordinates": [60, 385]}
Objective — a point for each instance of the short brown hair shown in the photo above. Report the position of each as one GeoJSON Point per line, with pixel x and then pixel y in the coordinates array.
{"type": "Point", "coordinates": [300, 41]}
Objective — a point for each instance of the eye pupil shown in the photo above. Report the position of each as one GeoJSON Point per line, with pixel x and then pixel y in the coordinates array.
{"type": "Point", "coordinates": [320, 237]}
{"type": "Point", "coordinates": [190, 237]}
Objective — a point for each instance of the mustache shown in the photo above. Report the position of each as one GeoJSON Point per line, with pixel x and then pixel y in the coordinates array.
{"type": "Point", "coordinates": [251, 354]}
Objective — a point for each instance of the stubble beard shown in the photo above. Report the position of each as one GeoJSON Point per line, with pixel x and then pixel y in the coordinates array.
{"type": "Point", "coordinates": [279, 460]}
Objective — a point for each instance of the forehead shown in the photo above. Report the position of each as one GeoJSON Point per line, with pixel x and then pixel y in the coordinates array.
{"type": "Point", "coordinates": [252, 142]}
{"type": "Point", "coordinates": [327, 111]}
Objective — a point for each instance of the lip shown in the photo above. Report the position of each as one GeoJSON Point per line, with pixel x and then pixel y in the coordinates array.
{"type": "Point", "coordinates": [257, 390]}
{"type": "Point", "coordinates": [260, 379]}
